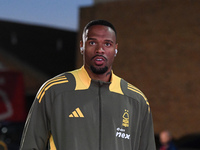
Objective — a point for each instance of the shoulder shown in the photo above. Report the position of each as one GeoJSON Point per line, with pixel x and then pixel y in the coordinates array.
{"type": "Point", "coordinates": [133, 92]}
{"type": "Point", "coordinates": [57, 84]}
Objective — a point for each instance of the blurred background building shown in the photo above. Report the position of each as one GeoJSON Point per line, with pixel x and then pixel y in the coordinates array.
{"type": "Point", "coordinates": [29, 55]}
{"type": "Point", "coordinates": [159, 43]}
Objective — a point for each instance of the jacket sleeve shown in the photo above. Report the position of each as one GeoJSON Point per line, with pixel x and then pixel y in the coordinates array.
{"type": "Point", "coordinates": [36, 131]}
{"type": "Point", "coordinates": [147, 141]}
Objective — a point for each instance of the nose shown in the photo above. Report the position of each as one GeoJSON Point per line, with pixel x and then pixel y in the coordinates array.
{"type": "Point", "coordinates": [100, 50]}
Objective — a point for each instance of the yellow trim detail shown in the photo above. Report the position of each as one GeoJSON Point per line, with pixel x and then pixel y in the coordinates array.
{"type": "Point", "coordinates": [140, 94]}
{"type": "Point", "coordinates": [50, 81]}
{"type": "Point", "coordinates": [115, 85]}
{"type": "Point", "coordinates": [82, 79]}
{"type": "Point", "coordinates": [76, 113]}
{"type": "Point", "coordinates": [79, 112]}
{"type": "Point", "coordinates": [49, 87]}
{"type": "Point", "coordinates": [48, 84]}
{"type": "Point", "coordinates": [52, 144]}
{"type": "Point", "coordinates": [133, 88]}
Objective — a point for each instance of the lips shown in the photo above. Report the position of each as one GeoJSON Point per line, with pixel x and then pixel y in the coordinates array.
{"type": "Point", "coordinates": [99, 60]}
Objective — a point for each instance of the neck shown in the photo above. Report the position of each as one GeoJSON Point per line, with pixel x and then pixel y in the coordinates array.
{"type": "Point", "coordinates": [102, 77]}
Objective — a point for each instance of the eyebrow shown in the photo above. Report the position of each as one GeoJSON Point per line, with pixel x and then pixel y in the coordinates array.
{"type": "Point", "coordinates": [91, 39]}
{"type": "Point", "coordinates": [96, 39]}
{"type": "Point", "coordinates": [109, 41]}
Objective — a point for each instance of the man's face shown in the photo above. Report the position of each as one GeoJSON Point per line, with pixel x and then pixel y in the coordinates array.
{"type": "Point", "coordinates": [99, 44]}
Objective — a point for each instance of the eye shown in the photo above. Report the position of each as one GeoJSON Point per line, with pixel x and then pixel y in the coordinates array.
{"type": "Point", "coordinates": [92, 43]}
{"type": "Point", "coordinates": [107, 44]}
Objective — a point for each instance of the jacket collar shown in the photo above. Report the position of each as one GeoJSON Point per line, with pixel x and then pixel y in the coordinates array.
{"type": "Point", "coordinates": [83, 81]}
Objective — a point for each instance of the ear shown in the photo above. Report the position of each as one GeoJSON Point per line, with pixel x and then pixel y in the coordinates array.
{"type": "Point", "coordinates": [116, 51]}
{"type": "Point", "coordinates": [81, 47]}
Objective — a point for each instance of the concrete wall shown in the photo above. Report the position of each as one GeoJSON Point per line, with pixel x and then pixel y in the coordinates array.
{"type": "Point", "coordinates": [159, 44]}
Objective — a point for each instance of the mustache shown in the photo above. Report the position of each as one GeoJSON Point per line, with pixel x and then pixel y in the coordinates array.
{"type": "Point", "coordinates": [98, 56]}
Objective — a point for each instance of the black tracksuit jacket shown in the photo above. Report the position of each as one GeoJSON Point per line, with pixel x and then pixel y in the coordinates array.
{"type": "Point", "coordinates": [73, 112]}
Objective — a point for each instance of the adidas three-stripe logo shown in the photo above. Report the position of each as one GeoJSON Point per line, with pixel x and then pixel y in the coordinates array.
{"type": "Point", "coordinates": [76, 113]}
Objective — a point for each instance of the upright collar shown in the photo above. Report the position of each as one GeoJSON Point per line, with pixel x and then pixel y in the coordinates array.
{"type": "Point", "coordinates": [83, 81]}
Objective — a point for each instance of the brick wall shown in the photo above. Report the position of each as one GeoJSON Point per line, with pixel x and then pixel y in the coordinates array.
{"type": "Point", "coordinates": [159, 44]}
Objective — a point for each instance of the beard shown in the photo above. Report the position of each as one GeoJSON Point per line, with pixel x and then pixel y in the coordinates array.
{"type": "Point", "coordinates": [99, 70]}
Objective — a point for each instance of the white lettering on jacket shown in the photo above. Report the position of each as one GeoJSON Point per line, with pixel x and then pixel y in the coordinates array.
{"type": "Point", "coordinates": [120, 133]}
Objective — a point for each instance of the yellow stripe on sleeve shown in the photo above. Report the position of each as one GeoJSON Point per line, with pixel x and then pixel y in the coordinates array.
{"type": "Point", "coordinates": [49, 82]}
{"type": "Point", "coordinates": [133, 88]}
{"type": "Point", "coordinates": [49, 87]}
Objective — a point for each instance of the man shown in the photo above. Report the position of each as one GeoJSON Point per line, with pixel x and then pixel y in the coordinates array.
{"type": "Point", "coordinates": [166, 141]}
{"type": "Point", "coordinates": [90, 108]}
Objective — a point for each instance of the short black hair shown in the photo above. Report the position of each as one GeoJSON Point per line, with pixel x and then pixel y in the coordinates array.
{"type": "Point", "coordinates": [100, 22]}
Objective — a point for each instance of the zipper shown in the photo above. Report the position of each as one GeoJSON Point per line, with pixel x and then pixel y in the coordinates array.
{"type": "Point", "coordinates": [99, 92]}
